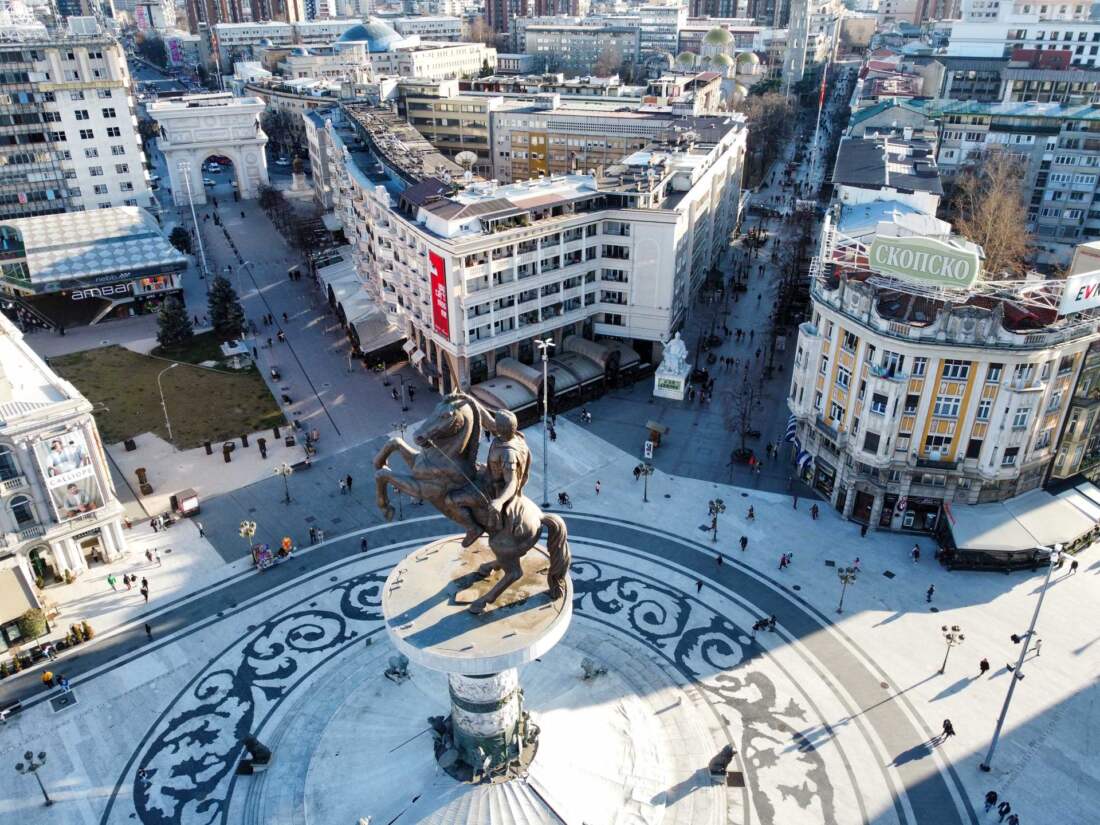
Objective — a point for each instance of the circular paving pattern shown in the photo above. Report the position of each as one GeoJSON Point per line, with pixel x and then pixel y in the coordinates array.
{"type": "Point", "coordinates": [684, 677]}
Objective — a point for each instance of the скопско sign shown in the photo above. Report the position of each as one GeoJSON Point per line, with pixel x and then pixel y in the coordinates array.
{"type": "Point", "coordinates": [926, 260]}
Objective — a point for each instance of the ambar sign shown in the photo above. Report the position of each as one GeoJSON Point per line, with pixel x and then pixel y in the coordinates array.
{"type": "Point", "coordinates": [925, 260]}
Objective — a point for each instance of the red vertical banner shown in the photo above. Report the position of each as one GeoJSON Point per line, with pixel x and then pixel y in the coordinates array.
{"type": "Point", "coordinates": [441, 319]}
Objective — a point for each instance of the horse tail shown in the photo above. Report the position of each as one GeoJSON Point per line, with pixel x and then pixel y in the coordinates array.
{"type": "Point", "coordinates": [560, 559]}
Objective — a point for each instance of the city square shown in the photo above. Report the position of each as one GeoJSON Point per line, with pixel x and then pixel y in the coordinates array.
{"type": "Point", "coordinates": [516, 412]}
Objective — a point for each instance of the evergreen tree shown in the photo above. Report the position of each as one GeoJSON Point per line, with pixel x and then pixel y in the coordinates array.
{"type": "Point", "coordinates": [180, 238]}
{"type": "Point", "coordinates": [174, 324]}
{"type": "Point", "coordinates": [226, 313]}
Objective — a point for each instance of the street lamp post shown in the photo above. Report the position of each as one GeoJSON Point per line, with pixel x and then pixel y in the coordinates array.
{"type": "Point", "coordinates": [185, 170]}
{"type": "Point", "coordinates": [247, 532]}
{"type": "Point", "coordinates": [286, 471]}
{"type": "Point", "coordinates": [847, 576]}
{"type": "Point", "coordinates": [716, 508]}
{"type": "Point", "coordinates": [645, 471]}
{"type": "Point", "coordinates": [31, 764]}
{"type": "Point", "coordinates": [953, 636]}
{"type": "Point", "coordinates": [1017, 675]}
{"type": "Point", "coordinates": [402, 426]}
{"type": "Point", "coordinates": [544, 345]}
{"type": "Point", "coordinates": [163, 403]}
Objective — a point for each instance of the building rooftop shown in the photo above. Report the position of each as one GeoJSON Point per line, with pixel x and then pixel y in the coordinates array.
{"type": "Point", "coordinates": [878, 163]}
{"type": "Point", "coordinates": [26, 383]}
{"type": "Point", "coordinates": [79, 246]}
{"type": "Point", "coordinates": [1056, 111]}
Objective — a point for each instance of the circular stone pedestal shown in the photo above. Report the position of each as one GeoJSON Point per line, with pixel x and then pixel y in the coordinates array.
{"type": "Point", "coordinates": [425, 603]}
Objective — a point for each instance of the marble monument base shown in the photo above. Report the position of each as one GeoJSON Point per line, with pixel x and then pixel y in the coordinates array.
{"type": "Point", "coordinates": [425, 604]}
{"type": "Point", "coordinates": [669, 384]}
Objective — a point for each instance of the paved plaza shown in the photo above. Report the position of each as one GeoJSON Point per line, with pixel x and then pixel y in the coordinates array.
{"type": "Point", "coordinates": [834, 717]}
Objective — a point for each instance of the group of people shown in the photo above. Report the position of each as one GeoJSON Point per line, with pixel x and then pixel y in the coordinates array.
{"type": "Point", "coordinates": [130, 579]}
{"type": "Point", "coordinates": [1004, 809]}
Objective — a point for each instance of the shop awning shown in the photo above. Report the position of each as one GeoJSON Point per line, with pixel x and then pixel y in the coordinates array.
{"type": "Point", "coordinates": [1033, 520]}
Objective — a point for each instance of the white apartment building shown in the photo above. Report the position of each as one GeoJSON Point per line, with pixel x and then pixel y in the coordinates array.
{"type": "Point", "coordinates": [995, 29]}
{"type": "Point", "coordinates": [73, 143]}
{"type": "Point", "coordinates": [812, 29]}
{"type": "Point", "coordinates": [227, 40]}
{"type": "Point", "coordinates": [430, 27]}
{"type": "Point", "coordinates": [475, 275]}
{"type": "Point", "coordinates": [59, 515]}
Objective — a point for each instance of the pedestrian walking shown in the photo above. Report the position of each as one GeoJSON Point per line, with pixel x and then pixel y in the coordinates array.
{"type": "Point", "coordinates": [348, 480]}
{"type": "Point", "coordinates": [795, 502]}
{"type": "Point", "coordinates": [363, 546]}
{"type": "Point", "coordinates": [202, 530]}
{"type": "Point", "coordinates": [916, 553]}
{"type": "Point", "coordinates": [782, 561]}
{"type": "Point", "coordinates": [814, 511]}
{"type": "Point", "coordinates": [148, 631]}
{"type": "Point", "coordinates": [149, 555]}
{"type": "Point", "coordinates": [1012, 820]}
{"type": "Point", "coordinates": [930, 593]}
{"type": "Point", "coordinates": [1073, 567]}
{"type": "Point", "coordinates": [63, 683]}
{"type": "Point", "coordinates": [47, 679]}
{"type": "Point", "coordinates": [111, 580]}
{"type": "Point", "coordinates": [698, 585]}
{"type": "Point", "coordinates": [718, 559]}
{"type": "Point", "coordinates": [1038, 646]}
{"type": "Point", "coordinates": [990, 800]}
{"type": "Point", "coordinates": [156, 557]}
{"type": "Point", "coordinates": [771, 624]}
{"type": "Point", "coordinates": [312, 535]}
{"type": "Point", "coordinates": [855, 564]}
{"type": "Point", "coordinates": [1004, 809]}
{"type": "Point", "coordinates": [153, 524]}
{"type": "Point", "coordinates": [751, 516]}
{"type": "Point", "coordinates": [50, 651]}
{"type": "Point", "coordinates": [744, 543]}
{"type": "Point", "coordinates": [863, 531]}
{"type": "Point", "coordinates": [343, 486]}
{"type": "Point", "coordinates": [597, 486]}
{"type": "Point", "coordinates": [126, 580]}
{"type": "Point", "coordinates": [948, 728]}
{"type": "Point", "coordinates": [983, 668]}
{"type": "Point", "coordinates": [637, 472]}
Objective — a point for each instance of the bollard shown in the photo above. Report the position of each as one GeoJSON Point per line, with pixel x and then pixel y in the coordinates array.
{"type": "Point", "coordinates": [262, 444]}
{"type": "Point", "coordinates": [275, 432]}
{"type": "Point", "coordinates": [244, 440]}
{"type": "Point", "coordinates": [209, 449]}
{"type": "Point", "coordinates": [226, 454]}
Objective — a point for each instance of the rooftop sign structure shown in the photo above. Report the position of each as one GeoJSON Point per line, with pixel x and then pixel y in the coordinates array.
{"type": "Point", "coordinates": [925, 260]}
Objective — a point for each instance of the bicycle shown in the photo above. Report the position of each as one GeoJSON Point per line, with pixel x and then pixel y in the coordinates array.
{"type": "Point", "coordinates": [565, 501]}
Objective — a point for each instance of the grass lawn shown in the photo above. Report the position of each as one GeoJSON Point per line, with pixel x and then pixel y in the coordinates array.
{"type": "Point", "coordinates": [204, 346]}
{"type": "Point", "coordinates": [202, 404]}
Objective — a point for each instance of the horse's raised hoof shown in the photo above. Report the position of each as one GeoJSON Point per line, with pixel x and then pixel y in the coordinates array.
{"type": "Point", "coordinates": [380, 461]}
{"type": "Point", "coordinates": [477, 608]}
{"type": "Point", "coordinates": [487, 569]}
{"type": "Point", "coordinates": [472, 535]}
{"type": "Point", "coordinates": [387, 512]}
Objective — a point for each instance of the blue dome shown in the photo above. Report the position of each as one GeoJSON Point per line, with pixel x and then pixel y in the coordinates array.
{"type": "Point", "coordinates": [378, 36]}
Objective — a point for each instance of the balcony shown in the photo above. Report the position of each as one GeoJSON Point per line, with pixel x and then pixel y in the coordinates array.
{"type": "Point", "coordinates": [934, 463]}
{"type": "Point", "coordinates": [32, 532]}
{"type": "Point", "coordinates": [10, 485]}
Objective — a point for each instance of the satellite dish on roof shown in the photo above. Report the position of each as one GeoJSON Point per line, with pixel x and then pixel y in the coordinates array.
{"type": "Point", "coordinates": [466, 160]}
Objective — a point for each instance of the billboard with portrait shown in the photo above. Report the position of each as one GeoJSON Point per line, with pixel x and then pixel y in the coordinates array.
{"type": "Point", "coordinates": [67, 469]}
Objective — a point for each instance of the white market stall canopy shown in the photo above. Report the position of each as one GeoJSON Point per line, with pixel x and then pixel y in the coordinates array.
{"type": "Point", "coordinates": [1026, 522]}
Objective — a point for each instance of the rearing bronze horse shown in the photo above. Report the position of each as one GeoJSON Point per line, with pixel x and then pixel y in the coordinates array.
{"type": "Point", "coordinates": [482, 498]}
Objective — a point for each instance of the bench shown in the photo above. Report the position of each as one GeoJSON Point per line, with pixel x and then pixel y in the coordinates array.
{"type": "Point", "coordinates": [9, 710]}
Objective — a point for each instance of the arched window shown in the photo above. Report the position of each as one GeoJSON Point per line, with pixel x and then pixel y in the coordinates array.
{"type": "Point", "coordinates": [21, 509]}
{"type": "Point", "coordinates": [8, 467]}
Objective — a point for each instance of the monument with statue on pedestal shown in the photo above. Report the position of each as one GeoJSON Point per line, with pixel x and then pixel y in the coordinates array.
{"type": "Point", "coordinates": [672, 375]}
{"type": "Point", "coordinates": [476, 606]}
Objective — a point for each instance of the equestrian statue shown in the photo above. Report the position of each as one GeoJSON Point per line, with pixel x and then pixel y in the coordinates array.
{"type": "Point", "coordinates": [484, 499]}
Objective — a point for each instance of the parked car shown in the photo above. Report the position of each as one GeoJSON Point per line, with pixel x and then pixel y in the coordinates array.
{"type": "Point", "coordinates": [209, 182]}
{"type": "Point", "coordinates": [282, 161]}
{"type": "Point", "coordinates": [213, 168]}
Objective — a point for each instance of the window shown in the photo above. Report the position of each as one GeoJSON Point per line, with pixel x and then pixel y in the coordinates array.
{"type": "Point", "coordinates": [870, 442]}
{"type": "Point", "coordinates": [1023, 373]}
{"type": "Point", "coordinates": [8, 467]}
{"type": "Point", "coordinates": [993, 374]}
{"type": "Point", "coordinates": [1043, 441]}
{"type": "Point", "coordinates": [91, 153]}
{"type": "Point", "coordinates": [1055, 401]}
{"type": "Point", "coordinates": [1009, 458]}
{"type": "Point", "coordinates": [126, 186]}
{"type": "Point", "coordinates": [76, 95]}
{"type": "Point", "coordinates": [843, 377]}
{"type": "Point", "coordinates": [21, 509]}
{"type": "Point", "coordinates": [974, 448]}
{"type": "Point", "coordinates": [117, 151]}
{"type": "Point", "coordinates": [933, 479]}
{"type": "Point", "coordinates": [57, 137]}
{"type": "Point", "coordinates": [862, 389]}
{"type": "Point", "coordinates": [824, 369]}
{"type": "Point", "coordinates": [958, 370]}
{"type": "Point", "coordinates": [95, 171]}
{"type": "Point", "coordinates": [1066, 365]}
{"type": "Point", "coordinates": [892, 362]}
{"type": "Point", "coordinates": [87, 134]}
{"type": "Point", "coordinates": [103, 94]}
{"type": "Point", "coordinates": [920, 365]}
{"type": "Point", "coordinates": [108, 112]}
{"type": "Point", "coordinates": [937, 443]}
{"type": "Point", "coordinates": [849, 342]}
{"type": "Point", "coordinates": [114, 131]}
{"type": "Point", "coordinates": [101, 189]}
{"type": "Point", "coordinates": [817, 400]}
{"type": "Point", "coordinates": [81, 114]}
{"type": "Point", "coordinates": [984, 408]}
{"type": "Point", "coordinates": [836, 412]}
{"type": "Point", "coordinates": [122, 168]}
{"type": "Point", "coordinates": [878, 403]}
{"type": "Point", "coordinates": [947, 406]}
{"type": "Point", "coordinates": [911, 404]}
{"type": "Point", "coordinates": [1019, 420]}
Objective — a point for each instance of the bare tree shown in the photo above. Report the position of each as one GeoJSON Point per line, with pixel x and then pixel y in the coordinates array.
{"type": "Point", "coordinates": [991, 212]}
{"type": "Point", "coordinates": [609, 62]}
{"type": "Point", "coordinates": [480, 32]}
{"type": "Point", "coordinates": [738, 408]}
{"type": "Point", "coordinates": [770, 117]}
